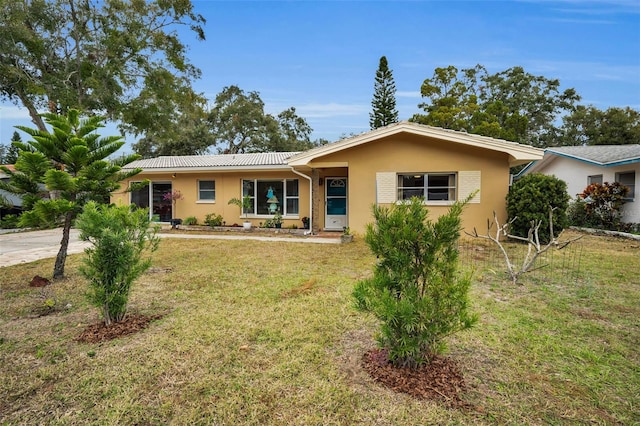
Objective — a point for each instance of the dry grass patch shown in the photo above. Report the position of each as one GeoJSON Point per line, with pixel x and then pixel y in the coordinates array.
{"type": "Point", "coordinates": [264, 333]}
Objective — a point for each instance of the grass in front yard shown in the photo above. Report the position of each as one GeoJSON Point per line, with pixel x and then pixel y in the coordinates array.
{"type": "Point", "coordinates": [264, 333]}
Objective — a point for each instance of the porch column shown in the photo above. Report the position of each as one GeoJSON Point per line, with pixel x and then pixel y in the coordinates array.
{"type": "Point", "coordinates": [316, 199]}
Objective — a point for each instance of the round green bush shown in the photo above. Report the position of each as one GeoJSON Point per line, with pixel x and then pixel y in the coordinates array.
{"type": "Point", "coordinates": [191, 220]}
{"type": "Point", "coordinates": [529, 200]}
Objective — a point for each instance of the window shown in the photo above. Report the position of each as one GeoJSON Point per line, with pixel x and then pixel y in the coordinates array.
{"type": "Point", "coordinates": [269, 196]}
{"type": "Point", "coordinates": [431, 186]}
{"type": "Point", "coordinates": [206, 190]}
{"type": "Point", "coordinates": [594, 179]}
{"type": "Point", "coordinates": [292, 197]}
{"type": "Point", "coordinates": [140, 196]}
{"type": "Point", "coordinates": [628, 179]}
{"type": "Point", "coordinates": [152, 196]}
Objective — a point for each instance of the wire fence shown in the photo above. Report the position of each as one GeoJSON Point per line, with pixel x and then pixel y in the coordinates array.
{"type": "Point", "coordinates": [555, 265]}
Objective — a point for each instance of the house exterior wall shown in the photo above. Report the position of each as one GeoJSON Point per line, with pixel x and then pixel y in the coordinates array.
{"type": "Point", "coordinates": [575, 173]}
{"type": "Point", "coordinates": [228, 186]}
{"type": "Point", "coordinates": [416, 154]}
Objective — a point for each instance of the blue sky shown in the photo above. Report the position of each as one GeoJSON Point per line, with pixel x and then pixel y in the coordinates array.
{"type": "Point", "coordinates": [321, 56]}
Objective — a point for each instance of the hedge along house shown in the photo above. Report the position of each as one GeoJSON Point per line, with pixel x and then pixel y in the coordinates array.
{"type": "Point", "coordinates": [336, 184]}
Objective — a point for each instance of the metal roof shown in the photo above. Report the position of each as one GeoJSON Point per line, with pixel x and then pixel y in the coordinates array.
{"type": "Point", "coordinates": [207, 162]}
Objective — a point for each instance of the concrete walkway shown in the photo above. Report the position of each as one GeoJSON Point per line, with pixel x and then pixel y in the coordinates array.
{"type": "Point", "coordinates": [25, 247]}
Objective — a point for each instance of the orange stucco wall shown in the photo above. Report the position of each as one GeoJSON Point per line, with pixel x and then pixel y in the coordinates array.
{"type": "Point", "coordinates": [413, 154]}
{"type": "Point", "coordinates": [228, 185]}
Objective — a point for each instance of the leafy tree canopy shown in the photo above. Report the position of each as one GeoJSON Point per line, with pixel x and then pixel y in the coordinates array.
{"type": "Point", "coordinates": [291, 132]}
{"type": "Point", "coordinates": [588, 125]}
{"type": "Point", "coordinates": [511, 104]}
{"type": "Point", "coordinates": [239, 125]}
{"type": "Point", "coordinates": [186, 132]}
{"type": "Point", "coordinates": [122, 59]}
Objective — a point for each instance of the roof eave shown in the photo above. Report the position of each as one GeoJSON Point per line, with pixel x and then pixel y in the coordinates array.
{"type": "Point", "coordinates": [513, 162]}
{"type": "Point", "coordinates": [594, 162]}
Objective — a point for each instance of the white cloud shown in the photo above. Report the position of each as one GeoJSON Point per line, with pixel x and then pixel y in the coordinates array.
{"type": "Point", "coordinates": [579, 70]}
{"type": "Point", "coordinates": [408, 94]}
{"type": "Point", "coordinates": [12, 112]}
{"type": "Point", "coordinates": [582, 21]}
{"type": "Point", "coordinates": [332, 109]}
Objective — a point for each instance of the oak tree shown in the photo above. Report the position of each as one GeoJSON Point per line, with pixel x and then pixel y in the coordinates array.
{"type": "Point", "coordinates": [240, 125]}
{"type": "Point", "coordinates": [588, 125]}
{"type": "Point", "coordinates": [511, 104]}
{"type": "Point", "coordinates": [123, 59]}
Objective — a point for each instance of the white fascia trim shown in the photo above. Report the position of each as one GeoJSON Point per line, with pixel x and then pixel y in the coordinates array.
{"type": "Point", "coordinates": [214, 169]}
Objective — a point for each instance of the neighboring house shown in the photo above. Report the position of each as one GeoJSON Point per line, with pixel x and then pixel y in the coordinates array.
{"type": "Point", "coordinates": [337, 184]}
{"type": "Point", "coordinates": [14, 202]}
{"type": "Point", "coordinates": [580, 166]}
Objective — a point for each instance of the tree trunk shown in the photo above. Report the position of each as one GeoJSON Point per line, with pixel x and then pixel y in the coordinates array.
{"type": "Point", "coordinates": [61, 258]}
{"type": "Point", "coordinates": [33, 112]}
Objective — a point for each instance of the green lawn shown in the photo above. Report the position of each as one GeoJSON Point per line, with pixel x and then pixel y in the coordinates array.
{"type": "Point", "coordinates": [265, 333]}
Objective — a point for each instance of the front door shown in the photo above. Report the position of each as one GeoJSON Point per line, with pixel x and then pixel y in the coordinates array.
{"type": "Point", "coordinates": [335, 218]}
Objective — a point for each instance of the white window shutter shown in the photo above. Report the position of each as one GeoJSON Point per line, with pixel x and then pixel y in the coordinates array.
{"type": "Point", "coordinates": [468, 182]}
{"type": "Point", "coordinates": [386, 192]}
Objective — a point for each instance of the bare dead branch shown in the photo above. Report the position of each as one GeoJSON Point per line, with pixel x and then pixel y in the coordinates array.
{"type": "Point", "coordinates": [534, 248]}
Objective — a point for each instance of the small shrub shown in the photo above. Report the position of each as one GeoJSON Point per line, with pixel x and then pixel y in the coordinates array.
{"type": "Point", "coordinates": [191, 220]}
{"type": "Point", "coordinates": [530, 199]}
{"type": "Point", "coordinates": [416, 290]}
{"type": "Point", "coordinates": [213, 219]}
{"type": "Point", "coordinates": [119, 237]}
{"type": "Point", "coordinates": [602, 204]}
{"type": "Point", "coordinates": [577, 214]}
{"type": "Point", "coordinates": [9, 221]}
{"type": "Point", "coordinates": [634, 228]}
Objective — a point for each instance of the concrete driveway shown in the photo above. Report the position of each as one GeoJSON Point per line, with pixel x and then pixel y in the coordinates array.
{"type": "Point", "coordinates": [29, 246]}
{"type": "Point", "coordinates": [25, 247]}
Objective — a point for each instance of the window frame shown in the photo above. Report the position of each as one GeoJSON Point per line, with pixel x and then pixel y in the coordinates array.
{"type": "Point", "coordinates": [201, 200]}
{"type": "Point", "coordinates": [451, 189]}
{"type": "Point", "coordinates": [253, 184]}
{"type": "Point", "coordinates": [598, 179]}
{"type": "Point", "coordinates": [632, 187]}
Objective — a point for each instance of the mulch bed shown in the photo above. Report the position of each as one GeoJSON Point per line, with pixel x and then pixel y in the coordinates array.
{"type": "Point", "coordinates": [132, 323]}
{"type": "Point", "coordinates": [39, 281]}
{"type": "Point", "coordinates": [439, 380]}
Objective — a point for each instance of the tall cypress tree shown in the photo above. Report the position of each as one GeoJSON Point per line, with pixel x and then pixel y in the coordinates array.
{"type": "Point", "coordinates": [384, 97]}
